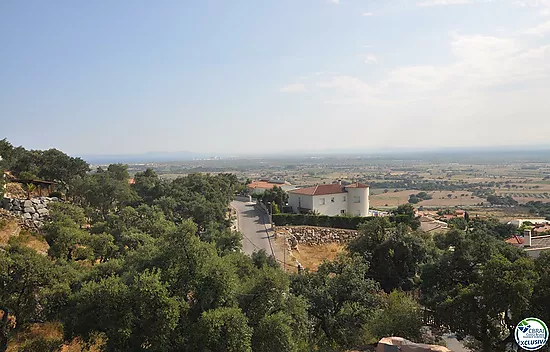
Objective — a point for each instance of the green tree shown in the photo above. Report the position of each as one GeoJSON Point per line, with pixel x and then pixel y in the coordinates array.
{"type": "Point", "coordinates": [223, 329]}
{"type": "Point", "coordinates": [274, 334]}
{"type": "Point", "coordinates": [480, 287]}
{"type": "Point", "coordinates": [400, 315]}
{"type": "Point", "coordinates": [342, 299]}
{"type": "Point", "coordinates": [395, 254]}
{"type": "Point", "coordinates": [405, 214]}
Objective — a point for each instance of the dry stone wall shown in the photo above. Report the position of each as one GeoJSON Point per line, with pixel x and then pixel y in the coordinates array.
{"type": "Point", "coordinates": [32, 212]}
{"type": "Point", "coordinates": [311, 235]}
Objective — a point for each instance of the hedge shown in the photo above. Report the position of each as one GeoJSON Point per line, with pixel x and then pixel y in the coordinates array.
{"type": "Point", "coordinates": [339, 222]}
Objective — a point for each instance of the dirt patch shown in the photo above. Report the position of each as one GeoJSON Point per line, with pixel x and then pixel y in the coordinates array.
{"type": "Point", "coordinates": [8, 229]}
{"type": "Point", "coordinates": [312, 256]}
{"type": "Point", "coordinates": [439, 199]}
{"type": "Point", "coordinates": [32, 241]}
{"type": "Point", "coordinates": [390, 199]}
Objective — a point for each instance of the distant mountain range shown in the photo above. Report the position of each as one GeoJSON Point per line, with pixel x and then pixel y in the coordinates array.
{"type": "Point", "coordinates": [149, 157]}
{"type": "Point", "coordinates": [505, 152]}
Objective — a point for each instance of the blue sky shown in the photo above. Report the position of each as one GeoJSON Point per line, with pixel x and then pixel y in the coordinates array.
{"type": "Point", "coordinates": [111, 77]}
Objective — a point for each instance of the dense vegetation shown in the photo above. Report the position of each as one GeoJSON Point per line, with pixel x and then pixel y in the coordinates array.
{"type": "Point", "coordinates": [154, 266]}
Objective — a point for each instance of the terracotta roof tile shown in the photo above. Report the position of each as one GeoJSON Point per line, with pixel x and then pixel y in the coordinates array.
{"type": "Point", "coordinates": [320, 190]}
{"type": "Point", "coordinates": [515, 240]}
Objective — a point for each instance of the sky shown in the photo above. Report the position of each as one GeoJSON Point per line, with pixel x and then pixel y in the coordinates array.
{"type": "Point", "coordinates": [253, 77]}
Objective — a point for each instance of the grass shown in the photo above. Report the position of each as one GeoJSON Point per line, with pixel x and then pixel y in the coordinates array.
{"type": "Point", "coordinates": [50, 331]}
{"type": "Point", "coordinates": [312, 256]}
{"type": "Point", "coordinates": [30, 240]}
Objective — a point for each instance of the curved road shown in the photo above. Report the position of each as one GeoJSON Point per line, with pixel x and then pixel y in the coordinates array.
{"type": "Point", "coordinates": [253, 225]}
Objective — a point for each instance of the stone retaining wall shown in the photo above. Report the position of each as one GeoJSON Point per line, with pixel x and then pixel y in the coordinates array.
{"type": "Point", "coordinates": [311, 235]}
{"type": "Point", "coordinates": [32, 212]}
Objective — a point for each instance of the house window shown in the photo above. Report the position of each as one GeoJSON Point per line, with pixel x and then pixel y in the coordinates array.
{"type": "Point", "coordinates": [343, 211]}
{"type": "Point", "coordinates": [343, 200]}
{"type": "Point", "coordinates": [322, 201]}
{"type": "Point", "coordinates": [356, 199]}
{"type": "Point", "coordinates": [332, 200]}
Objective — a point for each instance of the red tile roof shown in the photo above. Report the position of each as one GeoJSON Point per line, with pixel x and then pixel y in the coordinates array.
{"type": "Point", "coordinates": [320, 190]}
{"type": "Point", "coordinates": [357, 185]}
{"type": "Point", "coordinates": [515, 240]}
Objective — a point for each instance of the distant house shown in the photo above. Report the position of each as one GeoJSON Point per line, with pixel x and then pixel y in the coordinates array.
{"type": "Point", "coordinates": [533, 245]}
{"type": "Point", "coordinates": [519, 222]}
{"type": "Point", "coordinates": [429, 224]}
{"type": "Point", "coordinates": [259, 187]}
{"type": "Point", "coordinates": [333, 199]}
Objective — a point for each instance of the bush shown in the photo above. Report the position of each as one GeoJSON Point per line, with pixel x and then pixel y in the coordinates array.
{"type": "Point", "coordinates": [41, 344]}
{"type": "Point", "coordinates": [56, 194]}
{"type": "Point", "coordinates": [339, 222]}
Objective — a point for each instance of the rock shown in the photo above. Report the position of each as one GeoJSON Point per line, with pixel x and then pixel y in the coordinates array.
{"type": "Point", "coordinates": [38, 224]}
{"type": "Point", "coordinates": [8, 206]}
{"type": "Point", "coordinates": [36, 200]}
{"type": "Point", "coordinates": [27, 216]}
{"type": "Point", "coordinates": [44, 212]}
{"type": "Point", "coordinates": [17, 207]}
{"type": "Point", "coordinates": [39, 206]}
{"type": "Point", "coordinates": [35, 216]}
{"type": "Point", "coordinates": [6, 202]}
{"type": "Point", "coordinates": [27, 204]}
{"type": "Point", "coordinates": [54, 199]}
{"type": "Point", "coordinates": [29, 210]}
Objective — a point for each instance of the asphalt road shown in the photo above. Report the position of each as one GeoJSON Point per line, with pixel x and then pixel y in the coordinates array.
{"type": "Point", "coordinates": [252, 224]}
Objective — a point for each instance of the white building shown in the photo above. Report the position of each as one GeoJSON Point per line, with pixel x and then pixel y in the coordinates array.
{"type": "Point", "coordinates": [333, 199]}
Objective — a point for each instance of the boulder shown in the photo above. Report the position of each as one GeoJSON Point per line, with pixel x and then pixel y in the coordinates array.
{"type": "Point", "coordinates": [6, 202]}
{"type": "Point", "coordinates": [27, 204]}
{"type": "Point", "coordinates": [39, 206]}
{"type": "Point", "coordinates": [36, 201]}
{"type": "Point", "coordinates": [35, 216]}
{"type": "Point", "coordinates": [29, 210]}
{"type": "Point", "coordinates": [43, 212]}
{"type": "Point", "coordinates": [27, 216]}
{"type": "Point", "coordinates": [17, 207]}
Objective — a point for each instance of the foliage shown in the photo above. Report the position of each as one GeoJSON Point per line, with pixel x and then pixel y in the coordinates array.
{"type": "Point", "coordinates": [276, 195]}
{"type": "Point", "coordinates": [224, 329]}
{"type": "Point", "coordinates": [394, 254]}
{"type": "Point", "coordinates": [479, 287]}
{"type": "Point", "coordinates": [405, 214]}
{"type": "Point", "coordinates": [342, 299]}
{"type": "Point", "coordinates": [400, 315]}
{"type": "Point", "coordinates": [342, 222]}
{"type": "Point", "coordinates": [417, 198]}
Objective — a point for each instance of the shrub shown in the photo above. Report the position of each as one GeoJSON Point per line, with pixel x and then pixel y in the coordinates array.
{"type": "Point", "coordinates": [340, 222]}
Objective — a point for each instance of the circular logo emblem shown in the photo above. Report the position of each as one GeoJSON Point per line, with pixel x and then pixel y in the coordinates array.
{"type": "Point", "coordinates": [531, 334]}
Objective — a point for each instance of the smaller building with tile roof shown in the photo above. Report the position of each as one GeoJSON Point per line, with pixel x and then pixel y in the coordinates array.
{"type": "Point", "coordinates": [331, 199]}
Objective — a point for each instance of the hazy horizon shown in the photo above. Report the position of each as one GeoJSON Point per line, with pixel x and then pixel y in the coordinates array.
{"type": "Point", "coordinates": [259, 78]}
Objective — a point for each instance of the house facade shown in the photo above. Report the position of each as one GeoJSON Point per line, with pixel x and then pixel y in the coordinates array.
{"type": "Point", "coordinates": [334, 199]}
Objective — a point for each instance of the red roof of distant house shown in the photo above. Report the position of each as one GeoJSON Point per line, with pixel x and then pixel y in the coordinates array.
{"type": "Point", "coordinates": [357, 185]}
{"type": "Point", "coordinates": [541, 229]}
{"type": "Point", "coordinates": [515, 240]}
{"type": "Point", "coordinates": [320, 190]}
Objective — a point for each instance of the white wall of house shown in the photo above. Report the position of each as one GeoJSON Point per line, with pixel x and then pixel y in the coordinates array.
{"type": "Point", "coordinates": [297, 201]}
{"type": "Point", "coordinates": [358, 201]}
{"type": "Point", "coordinates": [355, 202]}
{"type": "Point", "coordinates": [331, 204]}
